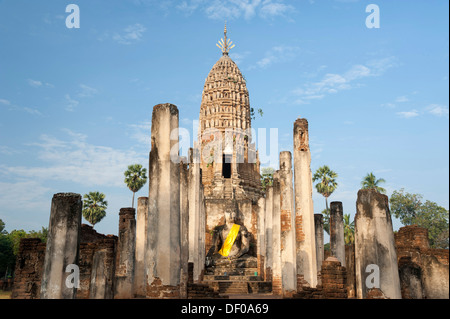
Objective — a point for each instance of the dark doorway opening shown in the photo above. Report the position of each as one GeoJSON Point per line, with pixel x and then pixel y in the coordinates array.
{"type": "Point", "coordinates": [226, 165]}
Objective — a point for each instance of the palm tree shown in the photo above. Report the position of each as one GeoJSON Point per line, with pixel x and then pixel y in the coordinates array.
{"type": "Point", "coordinates": [327, 182]}
{"type": "Point", "coordinates": [349, 230]}
{"type": "Point", "coordinates": [370, 181]}
{"type": "Point", "coordinates": [94, 207]}
{"type": "Point", "coordinates": [135, 178]}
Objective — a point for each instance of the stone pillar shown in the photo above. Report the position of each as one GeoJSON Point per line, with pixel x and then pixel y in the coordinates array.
{"type": "Point", "coordinates": [184, 227]}
{"type": "Point", "coordinates": [141, 236]}
{"type": "Point", "coordinates": [318, 224]}
{"type": "Point", "coordinates": [304, 209]}
{"type": "Point", "coordinates": [163, 257]}
{"type": "Point", "coordinates": [288, 249]}
{"type": "Point", "coordinates": [374, 245]}
{"type": "Point", "coordinates": [102, 276]}
{"type": "Point", "coordinates": [202, 234]}
{"type": "Point", "coordinates": [63, 244]}
{"type": "Point", "coordinates": [194, 212]}
{"type": "Point", "coordinates": [126, 252]}
{"type": "Point", "coordinates": [269, 236]}
{"type": "Point", "coordinates": [276, 237]}
{"type": "Point", "coordinates": [261, 240]}
{"type": "Point", "coordinates": [337, 240]}
{"type": "Point", "coordinates": [350, 266]}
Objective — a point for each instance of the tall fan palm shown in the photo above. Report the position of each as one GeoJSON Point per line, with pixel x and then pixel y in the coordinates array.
{"type": "Point", "coordinates": [370, 181]}
{"type": "Point", "coordinates": [327, 182]}
{"type": "Point", "coordinates": [135, 178]}
{"type": "Point", "coordinates": [349, 230]}
{"type": "Point", "coordinates": [94, 207]}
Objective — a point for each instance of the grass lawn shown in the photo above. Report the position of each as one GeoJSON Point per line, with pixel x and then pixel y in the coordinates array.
{"type": "Point", "coordinates": [5, 294]}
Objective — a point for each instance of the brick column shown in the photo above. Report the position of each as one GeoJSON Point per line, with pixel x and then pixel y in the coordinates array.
{"type": "Point", "coordinates": [333, 279]}
{"type": "Point", "coordinates": [276, 238]}
{"type": "Point", "coordinates": [126, 252]}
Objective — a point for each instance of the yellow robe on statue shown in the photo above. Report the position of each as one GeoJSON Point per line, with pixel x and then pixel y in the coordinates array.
{"type": "Point", "coordinates": [229, 241]}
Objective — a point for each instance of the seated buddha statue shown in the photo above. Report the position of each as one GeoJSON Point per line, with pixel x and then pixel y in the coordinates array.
{"type": "Point", "coordinates": [230, 240]}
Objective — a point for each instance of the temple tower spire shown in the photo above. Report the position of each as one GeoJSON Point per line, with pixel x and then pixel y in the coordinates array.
{"type": "Point", "coordinates": [225, 44]}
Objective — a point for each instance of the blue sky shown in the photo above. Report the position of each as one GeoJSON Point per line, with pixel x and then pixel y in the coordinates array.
{"type": "Point", "coordinates": [75, 104]}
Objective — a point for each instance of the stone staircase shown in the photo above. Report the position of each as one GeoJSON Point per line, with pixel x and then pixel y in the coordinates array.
{"type": "Point", "coordinates": [239, 281]}
{"type": "Point", "coordinates": [202, 291]}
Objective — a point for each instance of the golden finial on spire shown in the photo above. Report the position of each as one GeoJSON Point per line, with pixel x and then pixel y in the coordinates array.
{"type": "Point", "coordinates": [225, 45]}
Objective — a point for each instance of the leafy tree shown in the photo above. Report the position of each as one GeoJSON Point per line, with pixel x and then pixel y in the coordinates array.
{"type": "Point", "coordinates": [411, 211]}
{"type": "Point", "coordinates": [326, 182]}
{"type": "Point", "coordinates": [349, 227]}
{"type": "Point", "coordinates": [370, 181]}
{"type": "Point", "coordinates": [267, 177]}
{"type": "Point", "coordinates": [135, 178]}
{"type": "Point", "coordinates": [2, 227]}
{"type": "Point", "coordinates": [326, 220]}
{"type": "Point", "coordinates": [7, 259]}
{"type": "Point", "coordinates": [41, 234]}
{"type": "Point", "coordinates": [253, 115]}
{"type": "Point", "coordinates": [349, 230]}
{"type": "Point", "coordinates": [94, 207]}
{"type": "Point", "coordinates": [405, 206]}
{"type": "Point", "coordinates": [9, 246]}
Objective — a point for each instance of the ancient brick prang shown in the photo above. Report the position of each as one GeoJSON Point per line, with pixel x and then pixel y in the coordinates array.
{"type": "Point", "coordinates": [333, 286]}
{"type": "Point", "coordinates": [28, 272]}
{"type": "Point", "coordinates": [424, 271]}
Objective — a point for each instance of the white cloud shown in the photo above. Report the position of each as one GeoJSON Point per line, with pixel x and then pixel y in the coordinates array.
{"type": "Point", "coordinates": [32, 111]}
{"type": "Point", "coordinates": [188, 7]}
{"type": "Point", "coordinates": [75, 160]}
{"type": "Point", "coordinates": [272, 9]}
{"type": "Point", "coordinates": [408, 114]}
{"type": "Point", "coordinates": [13, 107]}
{"type": "Point", "coordinates": [402, 99]}
{"type": "Point", "coordinates": [131, 34]}
{"type": "Point", "coordinates": [141, 133]}
{"type": "Point", "coordinates": [437, 110]}
{"type": "Point", "coordinates": [277, 54]}
{"type": "Point", "coordinates": [36, 83]}
{"type": "Point", "coordinates": [14, 192]}
{"type": "Point", "coordinates": [332, 83]}
{"type": "Point", "coordinates": [5, 102]}
{"type": "Point", "coordinates": [235, 9]}
{"type": "Point", "coordinates": [6, 150]}
{"type": "Point", "coordinates": [239, 57]}
{"type": "Point", "coordinates": [87, 91]}
{"type": "Point", "coordinates": [71, 104]}
{"type": "Point", "coordinates": [220, 10]}
{"type": "Point", "coordinates": [389, 105]}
